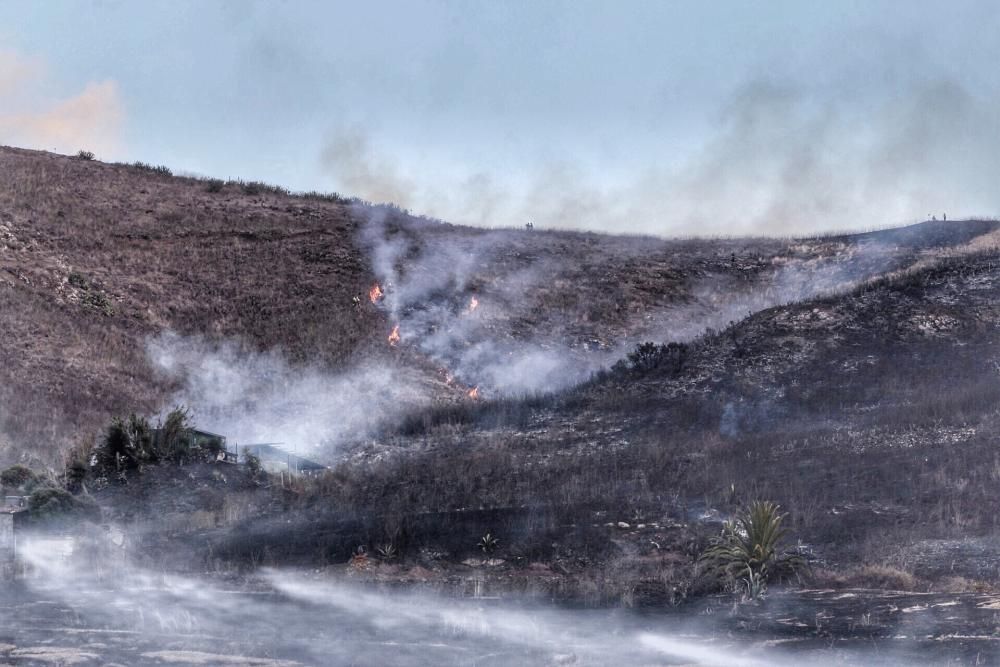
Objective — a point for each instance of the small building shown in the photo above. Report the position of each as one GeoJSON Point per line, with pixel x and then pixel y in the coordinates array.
{"type": "Point", "coordinates": [275, 458]}
{"type": "Point", "coordinates": [208, 440]}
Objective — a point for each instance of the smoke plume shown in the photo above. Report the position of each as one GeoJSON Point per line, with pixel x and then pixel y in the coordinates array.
{"type": "Point", "coordinates": [255, 397]}
{"type": "Point", "coordinates": [781, 159]}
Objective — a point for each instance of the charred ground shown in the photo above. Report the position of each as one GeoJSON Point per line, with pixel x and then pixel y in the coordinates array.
{"type": "Point", "coordinates": [852, 378]}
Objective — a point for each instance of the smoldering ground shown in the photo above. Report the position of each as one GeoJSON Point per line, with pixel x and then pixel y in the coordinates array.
{"type": "Point", "coordinates": [493, 311]}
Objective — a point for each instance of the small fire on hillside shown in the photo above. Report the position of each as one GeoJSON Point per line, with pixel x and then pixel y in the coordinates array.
{"type": "Point", "coordinates": [473, 304]}
{"type": "Point", "coordinates": [375, 294]}
{"type": "Point", "coordinates": [394, 336]}
{"type": "Point", "coordinates": [474, 393]}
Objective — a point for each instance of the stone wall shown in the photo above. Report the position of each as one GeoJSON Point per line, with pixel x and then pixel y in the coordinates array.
{"type": "Point", "coordinates": [6, 545]}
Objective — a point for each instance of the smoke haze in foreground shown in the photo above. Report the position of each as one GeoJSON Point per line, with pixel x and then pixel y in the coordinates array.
{"type": "Point", "coordinates": [293, 618]}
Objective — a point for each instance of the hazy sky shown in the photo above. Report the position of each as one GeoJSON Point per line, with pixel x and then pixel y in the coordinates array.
{"type": "Point", "coordinates": [663, 117]}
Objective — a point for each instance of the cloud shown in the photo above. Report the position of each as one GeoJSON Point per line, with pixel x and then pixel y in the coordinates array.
{"type": "Point", "coordinates": [781, 158]}
{"type": "Point", "coordinates": [30, 117]}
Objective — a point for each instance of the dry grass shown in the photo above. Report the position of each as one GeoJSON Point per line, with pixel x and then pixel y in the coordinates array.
{"type": "Point", "coordinates": [163, 253]}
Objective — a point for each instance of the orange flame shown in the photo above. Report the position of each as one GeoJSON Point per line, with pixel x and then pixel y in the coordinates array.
{"type": "Point", "coordinates": [474, 393]}
{"type": "Point", "coordinates": [394, 336]}
{"type": "Point", "coordinates": [375, 294]}
{"type": "Point", "coordinates": [473, 304]}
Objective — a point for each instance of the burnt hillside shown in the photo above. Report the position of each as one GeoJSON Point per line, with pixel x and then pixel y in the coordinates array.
{"type": "Point", "coordinates": [96, 259]}
{"type": "Point", "coordinates": [870, 414]}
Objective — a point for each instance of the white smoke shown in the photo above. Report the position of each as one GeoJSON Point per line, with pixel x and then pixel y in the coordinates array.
{"type": "Point", "coordinates": [254, 397]}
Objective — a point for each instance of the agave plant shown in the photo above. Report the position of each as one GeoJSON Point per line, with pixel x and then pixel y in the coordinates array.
{"type": "Point", "coordinates": [747, 551]}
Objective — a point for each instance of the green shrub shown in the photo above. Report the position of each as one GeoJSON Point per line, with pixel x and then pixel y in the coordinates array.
{"type": "Point", "coordinates": [127, 444]}
{"type": "Point", "coordinates": [98, 301]}
{"type": "Point", "coordinates": [78, 280]}
{"type": "Point", "coordinates": [132, 442]}
{"type": "Point", "coordinates": [52, 504]}
{"type": "Point", "coordinates": [173, 441]}
{"type": "Point", "coordinates": [78, 464]}
{"type": "Point", "coordinates": [16, 476]}
{"type": "Point", "coordinates": [746, 553]}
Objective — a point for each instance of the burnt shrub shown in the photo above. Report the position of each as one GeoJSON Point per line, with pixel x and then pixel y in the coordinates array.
{"type": "Point", "coordinates": [649, 356]}
{"type": "Point", "coordinates": [85, 155]}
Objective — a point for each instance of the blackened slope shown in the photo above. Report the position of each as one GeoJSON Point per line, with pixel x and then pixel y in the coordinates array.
{"type": "Point", "coordinates": [870, 415]}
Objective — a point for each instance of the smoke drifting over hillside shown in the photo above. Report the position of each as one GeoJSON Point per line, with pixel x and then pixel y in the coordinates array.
{"type": "Point", "coordinates": [781, 159]}
{"type": "Point", "coordinates": [451, 304]}
{"type": "Point", "coordinates": [457, 300]}
{"type": "Point", "coordinates": [259, 397]}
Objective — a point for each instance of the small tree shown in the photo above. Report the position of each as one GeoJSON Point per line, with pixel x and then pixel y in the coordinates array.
{"type": "Point", "coordinates": [49, 504]}
{"type": "Point", "coordinates": [127, 444]}
{"type": "Point", "coordinates": [746, 554]}
{"type": "Point", "coordinates": [174, 441]}
{"type": "Point", "coordinates": [254, 466]}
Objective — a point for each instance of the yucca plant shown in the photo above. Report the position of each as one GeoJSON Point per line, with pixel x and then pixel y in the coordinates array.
{"type": "Point", "coordinates": [488, 543]}
{"type": "Point", "coordinates": [747, 551]}
{"type": "Point", "coordinates": [386, 551]}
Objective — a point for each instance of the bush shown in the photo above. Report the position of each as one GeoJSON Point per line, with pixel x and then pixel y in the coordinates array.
{"type": "Point", "coordinates": [99, 302]}
{"type": "Point", "coordinates": [332, 197]}
{"type": "Point", "coordinates": [254, 466]}
{"type": "Point", "coordinates": [159, 170]}
{"type": "Point", "coordinates": [16, 476]}
{"type": "Point", "coordinates": [85, 155]}
{"type": "Point", "coordinates": [52, 504]}
{"type": "Point", "coordinates": [650, 356]}
{"type": "Point", "coordinates": [173, 441]}
{"type": "Point", "coordinates": [78, 280]}
{"type": "Point", "coordinates": [131, 442]}
{"type": "Point", "coordinates": [127, 443]}
{"type": "Point", "coordinates": [747, 551]}
{"type": "Point", "coordinates": [258, 187]}
{"type": "Point", "coordinates": [214, 185]}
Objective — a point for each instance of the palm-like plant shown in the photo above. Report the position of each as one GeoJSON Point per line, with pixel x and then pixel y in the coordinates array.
{"type": "Point", "coordinates": [488, 543]}
{"type": "Point", "coordinates": [747, 550]}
